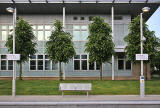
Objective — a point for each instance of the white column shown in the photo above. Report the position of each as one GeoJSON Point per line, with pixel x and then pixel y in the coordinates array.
{"type": "Point", "coordinates": [14, 62]}
{"type": "Point", "coordinates": [112, 12]}
{"type": "Point", "coordinates": [64, 65]}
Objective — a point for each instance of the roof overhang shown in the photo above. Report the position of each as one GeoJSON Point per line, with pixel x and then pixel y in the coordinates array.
{"type": "Point", "coordinates": [132, 9]}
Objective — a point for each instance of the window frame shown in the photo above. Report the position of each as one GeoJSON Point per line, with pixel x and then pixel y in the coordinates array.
{"type": "Point", "coordinates": [124, 63]}
{"type": "Point", "coordinates": [43, 63]}
{"type": "Point", "coordinates": [7, 61]}
{"type": "Point", "coordinates": [80, 59]}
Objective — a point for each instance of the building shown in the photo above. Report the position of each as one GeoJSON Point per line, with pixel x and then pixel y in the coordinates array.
{"type": "Point", "coordinates": [75, 15]}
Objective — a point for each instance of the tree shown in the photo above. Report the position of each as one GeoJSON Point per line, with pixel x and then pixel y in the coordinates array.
{"type": "Point", "coordinates": [133, 41]}
{"type": "Point", "coordinates": [60, 46]}
{"type": "Point", "coordinates": [24, 44]}
{"type": "Point", "coordinates": [100, 45]}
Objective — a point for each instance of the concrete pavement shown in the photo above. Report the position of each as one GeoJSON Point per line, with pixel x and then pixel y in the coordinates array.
{"type": "Point", "coordinates": [78, 98]}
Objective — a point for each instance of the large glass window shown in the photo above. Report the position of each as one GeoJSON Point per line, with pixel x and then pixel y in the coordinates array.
{"type": "Point", "coordinates": [123, 64]}
{"type": "Point", "coordinates": [81, 62]}
{"type": "Point", "coordinates": [80, 32]}
{"type": "Point", "coordinates": [42, 62]}
{"type": "Point", "coordinates": [5, 64]}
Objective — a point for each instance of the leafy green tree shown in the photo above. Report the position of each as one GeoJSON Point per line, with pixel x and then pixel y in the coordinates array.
{"type": "Point", "coordinates": [133, 41]}
{"type": "Point", "coordinates": [24, 44]}
{"type": "Point", "coordinates": [100, 45]}
{"type": "Point", "coordinates": [60, 46]}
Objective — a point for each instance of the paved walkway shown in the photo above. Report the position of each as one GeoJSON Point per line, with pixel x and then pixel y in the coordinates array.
{"type": "Point", "coordinates": [78, 98]}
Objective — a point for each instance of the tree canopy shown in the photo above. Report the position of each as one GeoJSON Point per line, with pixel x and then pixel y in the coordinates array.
{"type": "Point", "coordinates": [24, 44]}
{"type": "Point", "coordinates": [100, 45]}
{"type": "Point", "coordinates": [60, 47]}
{"type": "Point", "coordinates": [133, 41]}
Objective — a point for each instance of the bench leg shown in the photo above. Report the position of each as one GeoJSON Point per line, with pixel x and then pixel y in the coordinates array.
{"type": "Point", "coordinates": [87, 94]}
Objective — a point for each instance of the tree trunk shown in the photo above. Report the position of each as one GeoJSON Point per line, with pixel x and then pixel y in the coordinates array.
{"type": "Point", "coordinates": [100, 71]}
{"type": "Point", "coordinates": [20, 71]}
{"type": "Point", "coordinates": [60, 72]}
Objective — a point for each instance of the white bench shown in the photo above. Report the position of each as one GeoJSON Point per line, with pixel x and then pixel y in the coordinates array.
{"type": "Point", "coordinates": [75, 87]}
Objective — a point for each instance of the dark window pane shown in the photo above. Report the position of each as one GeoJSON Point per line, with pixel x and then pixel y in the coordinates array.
{"type": "Point", "coordinates": [83, 56]}
{"type": "Point", "coordinates": [77, 57]}
{"type": "Point", "coordinates": [75, 18]}
{"type": "Point", "coordinates": [91, 66]}
{"type": "Point", "coordinates": [46, 57]}
{"type": "Point", "coordinates": [10, 65]}
{"type": "Point", "coordinates": [97, 66]}
{"type": "Point", "coordinates": [82, 18]}
{"type": "Point", "coordinates": [32, 62]}
{"type": "Point", "coordinates": [40, 67]}
{"type": "Point", "coordinates": [54, 66]}
{"type": "Point", "coordinates": [33, 56]}
{"type": "Point", "coordinates": [128, 65]}
{"type": "Point", "coordinates": [47, 64]}
{"type": "Point", "coordinates": [76, 64]}
{"type": "Point", "coordinates": [40, 56]}
{"type": "Point", "coordinates": [40, 62]}
{"type": "Point", "coordinates": [32, 67]}
{"type": "Point", "coordinates": [10, 62]}
{"type": "Point", "coordinates": [120, 64]}
{"type": "Point", "coordinates": [3, 65]}
{"type": "Point", "coordinates": [90, 18]}
{"type": "Point", "coordinates": [118, 18]}
{"type": "Point", "coordinates": [121, 56]}
{"type": "Point", "coordinates": [84, 64]}
{"type": "Point", "coordinates": [3, 56]}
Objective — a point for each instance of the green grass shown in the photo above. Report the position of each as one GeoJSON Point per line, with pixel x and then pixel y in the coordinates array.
{"type": "Point", "coordinates": [51, 87]}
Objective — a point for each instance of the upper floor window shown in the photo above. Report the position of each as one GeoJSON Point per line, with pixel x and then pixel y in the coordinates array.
{"type": "Point", "coordinates": [80, 32]}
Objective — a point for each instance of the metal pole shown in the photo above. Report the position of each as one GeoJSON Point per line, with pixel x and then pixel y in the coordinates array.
{"type": "Point", "coordinates": [14, 62]}
{"type": "Point", "coordinates": [64, 65]}
{"type": "Point", "coordinates": [112, 11]}
{"type": "Point", "coordinates": [142, 83]}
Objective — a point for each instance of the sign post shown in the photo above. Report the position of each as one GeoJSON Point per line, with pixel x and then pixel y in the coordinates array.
{"type": "Point", "coordinates": [142, 57]}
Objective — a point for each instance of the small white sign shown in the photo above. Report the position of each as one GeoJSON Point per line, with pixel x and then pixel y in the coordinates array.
{"type": "Point", "coordinates": [141, 56]}
{"type": "Point", "coordinates": [13, 56]}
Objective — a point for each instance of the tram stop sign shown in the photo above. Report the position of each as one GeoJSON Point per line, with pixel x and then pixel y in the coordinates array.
{"type": "Point", "coordinates": [141, 56]}
{"type": "Point", "coordinates": [13, 56]}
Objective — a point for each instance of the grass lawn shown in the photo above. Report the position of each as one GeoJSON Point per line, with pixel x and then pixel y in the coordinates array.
{"type": "Point", "coordinates": [50, 87]}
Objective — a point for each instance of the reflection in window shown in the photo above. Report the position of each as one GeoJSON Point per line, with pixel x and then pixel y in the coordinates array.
{"type": "Point", "coordinates": [40, 27]}
{"type": "Point", "coordinates": [76, 35]}
{"type": "Point", "coordinates": [4, 35]}
{"type": "Point", "coordinates": [40, 35]}
{"type": "Point", "coordinates": [84, 35]}
{"type": "Point", "coordinates": [47, 35]}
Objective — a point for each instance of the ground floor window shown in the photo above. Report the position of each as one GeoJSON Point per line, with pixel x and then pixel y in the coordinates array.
{"type": "Point", "coordinates": [81, 62]}
{"type": "Point", "coordinates": [123, 64]}
{"type": "Point", "coordinates": [42, 62]}
{"type": "Point", "coordinates": [5, 64]}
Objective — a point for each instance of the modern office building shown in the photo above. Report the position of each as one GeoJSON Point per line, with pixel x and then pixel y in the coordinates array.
{"type": "Point", "coordinates": [75, 15]}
